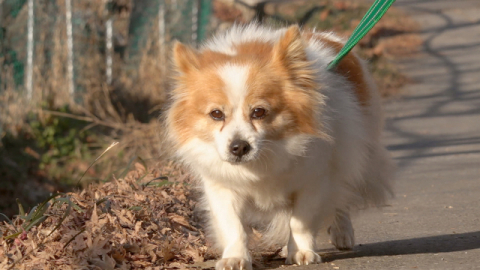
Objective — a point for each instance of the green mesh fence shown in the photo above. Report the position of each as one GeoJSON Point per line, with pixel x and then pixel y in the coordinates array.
{"type": "Point", "coordinates": [9, 44]}
{"type": "Point", "coordinates": [108, 39]}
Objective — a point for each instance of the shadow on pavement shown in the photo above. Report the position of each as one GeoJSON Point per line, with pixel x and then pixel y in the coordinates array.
{"type": "Point", "coordinates": [427, 143]}
{"type": "Point", "coordinates": [448, 65]}
{"type": "Point", "coordinates": [432, 244]}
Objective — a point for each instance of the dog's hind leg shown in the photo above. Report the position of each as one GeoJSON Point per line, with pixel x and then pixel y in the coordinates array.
{"type": "Point", "coordinates": [341, 231]}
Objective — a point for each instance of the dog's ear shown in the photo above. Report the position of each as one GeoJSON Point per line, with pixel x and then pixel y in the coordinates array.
{"type": "Point", "coordinates": [290, 47]}
{"type": "Point", "coordinates": [185, 59]}
{"type": "Point", "coordinates": [289, 52]}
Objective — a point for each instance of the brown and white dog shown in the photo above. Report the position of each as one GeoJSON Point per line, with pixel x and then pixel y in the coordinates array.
{"type": "Point", "coordinates": [278, 141]}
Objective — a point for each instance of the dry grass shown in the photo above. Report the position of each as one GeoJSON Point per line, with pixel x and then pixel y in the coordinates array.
{"type": "Point", "coordinates": [125, 111]}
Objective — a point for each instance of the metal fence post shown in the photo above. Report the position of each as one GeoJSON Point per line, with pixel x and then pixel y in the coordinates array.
{"type": "Point", "coordinates": [161, 36]}
{"type": "Point", "coordinates": [108, 43]}
{"type": "Point", "coordinates": [2, 49]}
{"type": "Point", "coordinates": [29, 77]}
{"type": "Point", "coordinates": [68, 15]}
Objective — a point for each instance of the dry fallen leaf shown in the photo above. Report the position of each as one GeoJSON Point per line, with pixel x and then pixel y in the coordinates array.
{"type": "Point", "coordinates": [133, 226]}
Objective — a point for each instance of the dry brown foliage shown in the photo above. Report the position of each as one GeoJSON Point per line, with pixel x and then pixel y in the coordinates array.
{"type": "Point", "coordinates": [132, 223]}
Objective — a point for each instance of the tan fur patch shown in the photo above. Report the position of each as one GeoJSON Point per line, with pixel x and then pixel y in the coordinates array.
{"type": "Point", "coordinates": [199, 93]}
{"type": "Point", "coordinates": [289, 53]}
{"type": "Point", "coordinates": [287, 84]}
{"type": "Point", "coordinates": [279, 75]}
{"type": "Point", "coordinates": [259, 50]}
{"type": "Point", "coordinates": [349, 67]}
{"type": "Point", "coordinates": [291, 110]}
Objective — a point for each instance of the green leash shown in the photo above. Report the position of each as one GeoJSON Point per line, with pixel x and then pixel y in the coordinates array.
{"type": "Point", "coordinates": [374, 14]}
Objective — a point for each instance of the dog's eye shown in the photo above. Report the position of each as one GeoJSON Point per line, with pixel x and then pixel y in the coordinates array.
{"type": "Point", "coordinates": [217, 115]}
{"type": "Point", "coordinates": [258, 113]}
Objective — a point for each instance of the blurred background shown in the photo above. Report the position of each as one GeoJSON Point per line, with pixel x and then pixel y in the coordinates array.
{"type": "Point", "coordinates": [77, 75]}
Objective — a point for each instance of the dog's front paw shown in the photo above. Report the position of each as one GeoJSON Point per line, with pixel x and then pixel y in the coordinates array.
{"type": "Point", "coordinates": [303, 257]}
{"type": "Point", "coordinates": [233, 264]}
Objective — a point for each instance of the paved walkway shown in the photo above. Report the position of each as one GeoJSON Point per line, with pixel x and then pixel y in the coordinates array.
{"type": "Point", "coordinates": [433, 131]}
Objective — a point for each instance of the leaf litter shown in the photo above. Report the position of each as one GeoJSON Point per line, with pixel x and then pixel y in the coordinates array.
{"type": "Point", "coordinates": [145, 220]}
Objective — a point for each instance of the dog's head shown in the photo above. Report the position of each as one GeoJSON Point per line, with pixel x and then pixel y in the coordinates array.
{"type": "Point", "coordinates": [240, 103]}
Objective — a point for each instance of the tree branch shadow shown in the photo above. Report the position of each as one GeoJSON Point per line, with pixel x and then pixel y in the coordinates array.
{"type": "Point", "coordinates": [432, 244]}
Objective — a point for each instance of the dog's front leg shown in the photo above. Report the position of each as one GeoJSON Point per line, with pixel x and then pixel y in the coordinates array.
{"type": "Point", "coordinates": [303, 228]}
{"type": "Point", "coordinates": [228, 228]}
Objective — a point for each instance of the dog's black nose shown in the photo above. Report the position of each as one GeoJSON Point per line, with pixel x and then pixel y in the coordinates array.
{"type": "Point", "coordinates": [239, 148]}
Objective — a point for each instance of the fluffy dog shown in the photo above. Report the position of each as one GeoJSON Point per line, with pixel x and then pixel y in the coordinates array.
{"type": "Point", "coordinates": [278, 141]}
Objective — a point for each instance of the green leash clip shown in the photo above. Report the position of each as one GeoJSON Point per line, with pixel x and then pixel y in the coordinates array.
{"type": "Point", "coordinates": [374, 14]}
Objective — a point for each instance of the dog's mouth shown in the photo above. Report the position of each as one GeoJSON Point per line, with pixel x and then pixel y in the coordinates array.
{"type": "Point", "coordinates": [238, 160]}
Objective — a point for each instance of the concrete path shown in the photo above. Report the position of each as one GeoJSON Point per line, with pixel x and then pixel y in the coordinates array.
{"type": "Point", "coordinates": [433, 131]}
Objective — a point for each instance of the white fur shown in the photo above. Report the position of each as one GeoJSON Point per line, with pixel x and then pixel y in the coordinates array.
{"type": "Point", "coordinates": [295, 186]}
{"type": "Point", "coordinates": [235, 78]}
